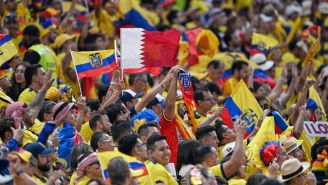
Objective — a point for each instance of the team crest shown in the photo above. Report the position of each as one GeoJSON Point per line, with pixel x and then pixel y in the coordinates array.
{"type": "Point", "coordinates": [250, 117]}
{"type": "Point", "coordinates": [261, 45]}
{"type": "Point", "coordinates": [185, 79]}
{"type": "Point", "coordinates": [95, 60]}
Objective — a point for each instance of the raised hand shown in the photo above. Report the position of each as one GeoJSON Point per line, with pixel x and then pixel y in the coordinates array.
{"type": "Point", "coordinates": [47, 80]}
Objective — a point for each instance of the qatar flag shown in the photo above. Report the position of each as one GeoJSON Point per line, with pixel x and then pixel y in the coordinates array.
{"type": "Point", "coordinates": [142, 50]}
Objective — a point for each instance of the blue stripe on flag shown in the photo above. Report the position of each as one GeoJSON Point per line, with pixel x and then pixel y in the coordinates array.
{"type": "Point", "coordinates": [133, 17]}
{"type": "Point", "coordinates": [87, 66]}
{"type": "Point", "coordinates": [5, 39]}
{"type": "Point", "coordinates": [233, 109]}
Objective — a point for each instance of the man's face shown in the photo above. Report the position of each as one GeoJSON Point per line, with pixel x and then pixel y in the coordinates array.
{"type": "Point", "coordinates": [106, 124]}
{"type": "Point", "coordinates": [244, 73]}
{"type": "Point", "coordinates": [107, 144]}
{"type": "Point", "coordinates": [141, 150]}
{"type": "Point", "coordinates": [12, 26]}
{"type": "Point", "coordinates": [161, 153]}
{"type": "Point", "coordinates": [40, 76]}
{"type": "Point", "coordinates": [215, 74]}
{"type": "Point", "coordinates": [229, 134]}
{"type": "Point", "coordinates": [208, 102]}
{"type": "Point", "coordinates": [211, 139]}
{"type": "Point", "coordinates": [44, 163]}
{"type": "Point", "coordinates": [214, 160]}
{"type": "Point", "coordinates": [151, 131]}
{"type": "Point", "coordinates": [141, 83]}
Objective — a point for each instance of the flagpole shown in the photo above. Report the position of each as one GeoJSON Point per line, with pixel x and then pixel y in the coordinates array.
{"type": "Point", "coordinates": [119, 64]}
{"type": "Point", "coordinates": [77, 76]}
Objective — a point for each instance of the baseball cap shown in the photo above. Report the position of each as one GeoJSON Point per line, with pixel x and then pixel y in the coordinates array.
{"type": "Point", "coordinates": [157, 100]}
{"type": "Point", "coordinates": [128, 95]}
{"type": "Point", "coordinates": [61, 39]}
{"type": "Point", "coordinates": [23, 155]}
{"type": "Point", "coordinates": [38, 148]}
{"type": "Point", "coordinates": [228, 149]}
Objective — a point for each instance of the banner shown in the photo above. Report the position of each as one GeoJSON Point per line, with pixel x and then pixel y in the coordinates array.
{"type": "Point", "coordinates": [316, 129]}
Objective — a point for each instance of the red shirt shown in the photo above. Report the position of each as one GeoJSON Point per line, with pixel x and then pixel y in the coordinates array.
{"type": "Point", "coordinates": [168, 129]}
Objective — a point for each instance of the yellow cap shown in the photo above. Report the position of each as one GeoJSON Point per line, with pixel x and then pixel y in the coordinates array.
{"type": "Point", "coordinates": [23, 155]}
{"type": "Point", "coordinates": [52, 94]}
{"type": "Point", "coordinates": [45, 31]}
{"type": "Point", "coordinates": [61, 39]}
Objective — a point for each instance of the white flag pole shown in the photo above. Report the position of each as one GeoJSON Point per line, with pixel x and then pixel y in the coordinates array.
{"type": "Point", "coordinates": [77, 76]}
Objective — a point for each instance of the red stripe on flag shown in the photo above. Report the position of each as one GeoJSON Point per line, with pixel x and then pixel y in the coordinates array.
{"type": "Point", "coordinates": [151, 70]}
{"type": "Point", "coordinates": [98, 71]}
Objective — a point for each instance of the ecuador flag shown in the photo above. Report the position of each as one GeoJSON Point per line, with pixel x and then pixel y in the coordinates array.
{"type": "Point", "coordinates": [135, 16]}
{"type": "Point", "coordinates": [241, 104]}
{"type": "Point", "coordinates": [314, 104]}
{"type": "Point", "coordinates": [138, 168]}
{"type": "Point", "coordinates": [93, 63]}
{"type": "Point", "coordinates": [262, 43]}
{"type": "Point", "coordinates": [7, 48]}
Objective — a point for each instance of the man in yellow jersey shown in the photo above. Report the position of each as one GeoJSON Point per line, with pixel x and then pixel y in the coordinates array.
{"type": "Point", "coordinates": [206, 135]}
{"type": "Point", "coordinates": [239, 71]}
{"type": "Point", "coordinates": [159, 156]}
{"type": "Point", "coordinates": [205, 102]}
{"type": "Point", "coordinates": [133, 146]}
{"type": "Point", "coordinates": [102, 142]}
{"type": "Point", "coordinates": [34, 76]}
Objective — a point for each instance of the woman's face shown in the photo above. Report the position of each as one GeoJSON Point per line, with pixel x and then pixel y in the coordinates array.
{"type": "Point", "coordinates": [19, 74]}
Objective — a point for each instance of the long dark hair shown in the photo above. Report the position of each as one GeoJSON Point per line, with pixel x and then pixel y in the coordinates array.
{"type": "Point", "coordinates": [186, 153]}
{"type": "Point", "coordinates": [16, 88]}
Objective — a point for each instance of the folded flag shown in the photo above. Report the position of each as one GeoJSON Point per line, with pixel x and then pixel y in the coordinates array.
{"type": "Point", "coordinates": [144, 49]}
{"type": "Point", "coordinates": [241, 104]}
{"type": "Point", "coordinates": [201, 42]}
{"type": "Point", "coordinates": [134, 15]}
{"type": "Point", "coordinates": [139, 169]}
{"type": "Point", "coordinates": [188, 96]}
{"type": "Point", "coordinates": [280, 124]}
{"type": "Point", "coordinates": [314, 104]}
{"type": "Point", "coordinates": [262, 43]}
{"type": "Point", "coordinates": [7, 48]}
{"type": "Point", "coordinates": [93, 63]}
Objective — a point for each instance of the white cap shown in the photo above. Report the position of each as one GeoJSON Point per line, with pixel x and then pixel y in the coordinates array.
{"type": "Point", "coordinates": [228, 149]}
{"type": "Point", "coordinates": [262, 62]}
{"type": "Point", "coordinates": [265, 18]}
{"type": "Point", "coordinates": [293, 9]}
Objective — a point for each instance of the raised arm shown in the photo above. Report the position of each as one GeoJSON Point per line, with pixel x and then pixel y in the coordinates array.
{"type": "Point", "coordinates": [291, 89]}
{"type": "Point", "coordinates": [37, 102]}
{"type": "Point", "coordinates": [169, 109]}
{"type": "Point", "coordinates": [230, 167]}
{"type": "Point", "coordinates": [151, 95]}
{"type": "Point", "coordinates": [278, 89]}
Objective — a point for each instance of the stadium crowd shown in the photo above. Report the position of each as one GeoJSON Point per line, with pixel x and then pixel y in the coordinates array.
{"type": "Point", "coordinates": [127, 128]}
